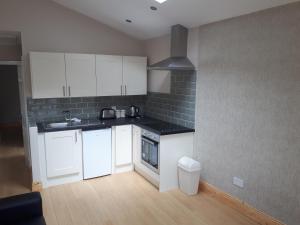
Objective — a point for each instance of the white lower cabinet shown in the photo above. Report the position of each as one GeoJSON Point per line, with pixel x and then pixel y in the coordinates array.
{"type": "Point", "coordinates": [69, 156]}
{"type": "Point", "coordinates": [136, 143]}
{"type": "Point", "coordinates": [57, 156]}
{"type": "Point", "coordinates": [63, 152]}
{"type": "Point", "coordinates": [123, 145]}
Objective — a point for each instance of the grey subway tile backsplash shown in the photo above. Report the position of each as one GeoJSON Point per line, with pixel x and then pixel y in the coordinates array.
{"type": "Point", "coordinates": [84, 108]}
{"type": "Point", "coordinates": [177, 107]}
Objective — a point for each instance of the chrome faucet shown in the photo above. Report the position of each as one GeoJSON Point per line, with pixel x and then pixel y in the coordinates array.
{"type": "Point", "coordinates": [67, 114]}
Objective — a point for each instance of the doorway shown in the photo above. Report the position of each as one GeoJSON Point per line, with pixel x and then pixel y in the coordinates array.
{"type": "Point", "coordinates": [15, 175]}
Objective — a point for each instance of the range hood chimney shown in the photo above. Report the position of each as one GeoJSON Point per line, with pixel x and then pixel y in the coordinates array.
{"type": "Point", "coordinates": [178, 60]}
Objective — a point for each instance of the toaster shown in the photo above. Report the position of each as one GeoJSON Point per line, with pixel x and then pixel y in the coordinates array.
{"type": "Point", "coordinates": [107, 113]}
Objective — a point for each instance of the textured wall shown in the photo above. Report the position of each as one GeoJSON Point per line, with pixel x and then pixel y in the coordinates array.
{"type": "Point", "coordinates": [177, 107]}
{"type": "Point", "coordinates": [47, 26]}
{"type": "Point", "coordinates": [9, 95]}
{"type": "Point", "coordinates": [84, 108]}
{"type": "Point", "coordinates": [248, 108]}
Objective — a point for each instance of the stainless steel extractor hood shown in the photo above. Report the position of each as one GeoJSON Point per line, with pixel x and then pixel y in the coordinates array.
{"type": "Point", "coordinates": [178, 59]}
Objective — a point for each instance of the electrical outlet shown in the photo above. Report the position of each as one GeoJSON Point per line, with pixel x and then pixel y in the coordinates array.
{"type": "Point", "coordinates": [238, 182]}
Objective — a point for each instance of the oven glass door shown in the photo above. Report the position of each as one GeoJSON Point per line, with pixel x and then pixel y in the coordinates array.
{"type": "Point", "coordinates": [150, 153]}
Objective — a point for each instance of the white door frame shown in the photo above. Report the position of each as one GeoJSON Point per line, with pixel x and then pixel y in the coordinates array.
{"type": "Point", "coordinates": [23, 104]}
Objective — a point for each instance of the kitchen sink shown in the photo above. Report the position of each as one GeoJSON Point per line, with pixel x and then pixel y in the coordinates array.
{"type": "Point", "coordinates": [58, 125]}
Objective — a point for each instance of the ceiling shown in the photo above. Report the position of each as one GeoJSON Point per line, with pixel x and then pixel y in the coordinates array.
{"type": "Point", "coordinates": [147, 24]}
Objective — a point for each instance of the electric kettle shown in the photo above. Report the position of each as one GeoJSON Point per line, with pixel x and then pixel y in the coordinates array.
{"type": "Point", "coordinates": [133, 111]}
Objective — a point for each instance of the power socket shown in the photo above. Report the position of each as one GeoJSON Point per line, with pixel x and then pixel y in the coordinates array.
{"type": "Point", "coordinates": [238, 182]}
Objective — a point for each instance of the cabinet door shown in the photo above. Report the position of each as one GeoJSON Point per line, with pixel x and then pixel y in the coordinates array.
{"type": "Point", "coordinates": [48, 78]}
{"type": "Point", "coordinates": [135, 75]}
{"type": "Point", "coordinates": [136, 143]}
{"type": "Point", "coordinates": [63, 153]}
{"type": "Point", "coordinates": [123, 145]}
{"type": "Point", "coordinates": [81, 75]}
{"type": "Point", "coordinates": [96, 153]}
{"type": "Point", "coordinates": [109, 75]}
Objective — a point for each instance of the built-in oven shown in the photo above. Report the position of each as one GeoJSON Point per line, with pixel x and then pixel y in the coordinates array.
{"type": "Point", "coordinates": [150, 150]}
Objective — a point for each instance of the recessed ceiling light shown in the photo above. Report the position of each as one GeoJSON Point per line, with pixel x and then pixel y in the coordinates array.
{"type": "Point", "coordinates": [153, 8]}
{"type": "Point", "coordinates": [128, 21]}
{"type": "Point", "coordinates": [160, 1]}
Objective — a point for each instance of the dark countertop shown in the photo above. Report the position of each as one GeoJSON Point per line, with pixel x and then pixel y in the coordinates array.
{"type": "Point", "coordinates": [148, 123]}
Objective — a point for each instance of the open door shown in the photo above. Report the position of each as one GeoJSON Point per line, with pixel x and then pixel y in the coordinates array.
{"type": "Point", "coordinates": [15, 163]}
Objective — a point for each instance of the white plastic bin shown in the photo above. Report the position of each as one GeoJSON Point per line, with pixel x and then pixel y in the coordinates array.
{"type": "Point", "coordinates": [189, 175]}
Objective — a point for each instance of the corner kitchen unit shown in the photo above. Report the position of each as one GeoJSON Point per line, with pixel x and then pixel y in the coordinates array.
{"type": "Point", "coordinates": [57, 154]}
{"type": "Point", "coordinates": [63, 151]}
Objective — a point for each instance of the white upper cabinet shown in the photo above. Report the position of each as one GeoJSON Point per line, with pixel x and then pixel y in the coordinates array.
{"type": "Point", "coordinates": [135, 75]}
{"type": "Point", "coordinates": [117, 75]}
{"type": "Point", "coordinates": [48, 75]}
{"type": "Point", "coordinates": [109, 75]}
{"type": "Point", "coordinates": [81, 75]}
{"type": "Point", "coordinates": [58, 75]}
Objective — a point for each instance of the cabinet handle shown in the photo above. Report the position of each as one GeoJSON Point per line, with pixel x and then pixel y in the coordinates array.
{"type": "Point", "coordinates": [64, 91]}
{"type": "Point", "coordinates": [125, 89]}
{"type": "Point", "coordinates": [69, 90]}
{"type": "Point", "coordinates": [121, 89]}
{"type": "Point", "coordinates": [75, 136]}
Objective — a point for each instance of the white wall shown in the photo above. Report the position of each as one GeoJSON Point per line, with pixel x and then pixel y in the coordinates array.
{"type": "Point", "coordinates": [158, 49]}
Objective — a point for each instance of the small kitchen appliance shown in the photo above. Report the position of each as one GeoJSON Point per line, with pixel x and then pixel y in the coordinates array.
{"type": "Point", "coordinates": [150, 150]}
{"type": "Point", "coordinates": [107, 113]}
{"type": "Point", "coordinates": [133, 111]}
{"type": "Point", "coordinates": [96, 153]}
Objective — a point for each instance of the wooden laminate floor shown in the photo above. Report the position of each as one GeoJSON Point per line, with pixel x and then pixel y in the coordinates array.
{"type": "Point", "coordinates": [14, 175]}
{"type": "Point", "coordinates": [128, 199]}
